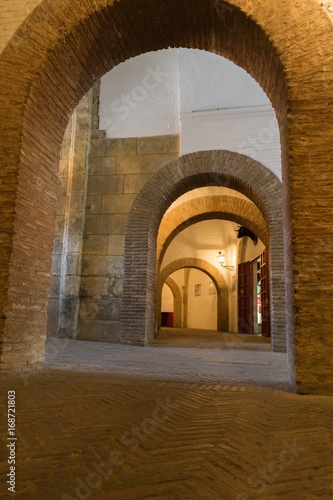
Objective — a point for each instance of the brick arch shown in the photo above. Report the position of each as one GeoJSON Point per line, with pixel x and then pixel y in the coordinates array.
{"type": "Point", "coordinates": [214, 274]}
{"type": "Point", "coordinates": [177, 302]}
{"type": "Point", "coordinates": [203, 217]}
{"type": "Point", "coordinates": [49, 64]}
{"type": "Point", "coordinates": [211, 207]}
{"type": "Point", "coordinates": [54, 58]}
{"type": "Point", "coordinates": [208, 168]}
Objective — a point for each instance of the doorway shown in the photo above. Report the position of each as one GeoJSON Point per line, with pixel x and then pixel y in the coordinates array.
{"type": "Point", "coordinates": [253, 296]}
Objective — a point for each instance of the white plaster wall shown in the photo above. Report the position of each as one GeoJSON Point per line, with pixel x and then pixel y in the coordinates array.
{"type": "Point", "coordinates": [167, 299]}
{"type": "Point", "coordinates": [141, 96]}
{"type": "Point", "coordinates": [252, 131]}
{"type": "Point", "coordinates": [202, 310]}
{"type": "Point", "coordinates": [209, 81]}
{"type": "Point", "coordinates": [252, 251]}
{"type": "Point", "coordinates": [203, 241]}
{"type": "Point", "coordinates": [208, 100]}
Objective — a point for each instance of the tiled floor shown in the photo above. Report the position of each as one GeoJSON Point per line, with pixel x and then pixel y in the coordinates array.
{"type": "Point", "coordinates": [115, 422]}
{"type": "Point", "coordinates": [183, 356]}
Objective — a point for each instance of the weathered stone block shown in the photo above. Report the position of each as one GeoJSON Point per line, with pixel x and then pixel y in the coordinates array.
{"type": "Point", "coordinates": [95, 287]}
{"type": "Point", "coordinates": [70, 286]}
{"type": "Point", "coordinates": [74, 243]}
{"type": "Point", "coordinates": [94, 204]}
{"type": "Point", "coordinates": [73, 261]}
{"type": "Point", "coordinates": [79, 163]}
{"type": "Point", "coordinates": [104, 309]}
{"type": "Point", "coordinates": [134, 182]}
{"type": "Point", "coordinates": [56, 265]}
{"type": "Point", "coordinates": [117, 147]}
{"type": "Point", "coordinates": [102, 266]}
{"type": "Point", "coordinates": [52, 317]}
{"type": "Point", "coordinates": [117, 204]}
{"type": "Point", "coordinates": [59, 225]}
{"type": "Point", "coordinates": [77, 182]}
{"type": "Point", "coordinates": [158, 144]}
{"type": "Point", "coordinates": [142, 164]}
{"type": "Point", "coordinates": [95, 244]}
{"type": "Point", "coordinates": [115, 286]}
{"type": "Point", "coordinates": [68, 309]}
{"type": "Point", "coordinates": [105, 184]}
{"type": "Point", "coordinates": [76, 203]}
{"type": "Point", "coordinates": [54, 287]}
{"type": "Point", "coordinates": [66, 144]}
{"type": "Point", "coordinates": [116, 244]}
{"type": "Point", "coordinates": [63, 185]}
{"type": "Point", "coordinates": [102, 166]}
{"type": "Point", "coordinates": [61, 205]}
{"type": "Point", "coordinates": [97, 146]}
{"type": "Point", "coordinates": [99, 331]}
{"type": "Point", "coordinates": [75, 224]}
{"type": "Point", "coordinates": [106, 224]}
{"type": "Point", "coordinates": [57, 245]}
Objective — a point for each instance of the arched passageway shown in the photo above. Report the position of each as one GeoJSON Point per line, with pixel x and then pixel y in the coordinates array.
{"type": "Point", "coordinates": [214, 275]}
{"type": "Point", "coordinates": [177, 302]}
{"type": "Point", "coordinates": [216, 168]}
{"type": "Point", "coordinates": [39, 93]}
{"type": "Point", "coordinates": [224, 207]}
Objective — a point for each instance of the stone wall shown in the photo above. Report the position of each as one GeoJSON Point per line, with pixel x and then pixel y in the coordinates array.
{"type": "Point", "coordinates": [118, 168]}
{"type": "Point", "coordinates": [63, 307]}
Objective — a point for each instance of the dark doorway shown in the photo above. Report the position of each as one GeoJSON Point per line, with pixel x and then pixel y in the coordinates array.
{"type": "Point", "coordinates": [245, 298]}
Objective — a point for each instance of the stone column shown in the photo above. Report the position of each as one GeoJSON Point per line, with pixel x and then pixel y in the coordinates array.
{"type": "Point", "coordinates": [64, 303]}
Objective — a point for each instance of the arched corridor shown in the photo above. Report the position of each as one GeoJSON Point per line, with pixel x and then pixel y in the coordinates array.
{"type": "Point", "coordinates": [140, 140]}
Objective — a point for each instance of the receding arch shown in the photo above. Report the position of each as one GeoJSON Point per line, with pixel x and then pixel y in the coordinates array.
{"type": "Point", "coordinates": [57, 54]}
{"type": "Point", "coordinates": [211, 207]}
{"type": "Point", "coordinates": [54, 58]}
{"type": "Point", "coordinates": [177, 302]}
{"type": "Point", "coordinates": [215, 276]}
{"type": "Point", "coordinates": [208, 168]}
{"type": "Point", "coordinates": [204, 217]}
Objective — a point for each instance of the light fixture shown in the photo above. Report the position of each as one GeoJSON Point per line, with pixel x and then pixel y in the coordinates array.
{"type": "Point", "coordinates": [221, 260]}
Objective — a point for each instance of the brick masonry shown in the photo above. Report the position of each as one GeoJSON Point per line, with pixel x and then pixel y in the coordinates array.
{"type": "Point", "coordinates": [214, 168]}
{"type": "Point", "coordinates": [38, 94]}
{"type": "Point", "coordinates": [223, 207]}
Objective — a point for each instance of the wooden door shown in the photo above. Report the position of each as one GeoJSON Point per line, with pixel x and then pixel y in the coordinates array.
{"type": "Point", "coordinates": [264, 294]}
{"type": "Point", "coordinates": [245, 298]}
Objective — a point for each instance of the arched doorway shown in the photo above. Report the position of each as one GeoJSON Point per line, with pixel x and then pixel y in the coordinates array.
{"type": "Point", "coordinates": [216, 168]}
{"type": "Point", "coordinates": [216, 277]}
{"type": "Point", "coordinates": [39, 95]}
{"type": "Point", "coordinates": [177, 304]}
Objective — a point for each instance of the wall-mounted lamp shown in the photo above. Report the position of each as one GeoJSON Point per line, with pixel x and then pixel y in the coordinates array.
{"type": "Point", "coordinates": [221, 260]}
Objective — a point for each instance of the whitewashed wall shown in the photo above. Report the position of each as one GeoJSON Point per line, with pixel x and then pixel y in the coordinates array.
{"type": "Point", "coordinates": [141, 97]}
{"type": "Point", "coordinates": [208, 100]}
{"type": "Point", "coordinates": [202, 310]}
{"type": "Point", "coordinates": [167, 299]}
{"type": "Point", "coordinates": [252, 131]}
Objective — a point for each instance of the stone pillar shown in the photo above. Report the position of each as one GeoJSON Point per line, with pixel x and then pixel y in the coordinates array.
{"type": "Point", "coordinates": [64, 303]}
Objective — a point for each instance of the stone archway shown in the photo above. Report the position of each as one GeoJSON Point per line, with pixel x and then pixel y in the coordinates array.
{"type": "Point", "coordinates": [209, 168]}
{"type": "Point", "coordinates": [215, 276]}
{"type": "Point", "coordinates": [52, 61]}
{"type": "Point", "coordinates": [177, 302]}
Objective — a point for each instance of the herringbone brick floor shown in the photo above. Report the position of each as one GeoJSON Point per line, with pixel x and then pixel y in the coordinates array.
{"type": "Point", "coordinates": [132, 435]}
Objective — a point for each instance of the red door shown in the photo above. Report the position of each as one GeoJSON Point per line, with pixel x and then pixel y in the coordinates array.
{"type": "Point", "coordinates": [245, 298]}
{"type": "Point", "coordinates": [264, 294]}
